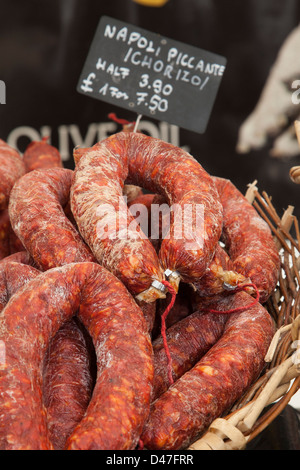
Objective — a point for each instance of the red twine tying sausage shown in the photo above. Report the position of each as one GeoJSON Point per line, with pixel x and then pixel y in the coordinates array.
{"type": "Point", "coordinates": [242, 308]}
{"type": "Point", "coordinates": [163, 328]}
{"type": "Point", "coordinates": [115, 118]}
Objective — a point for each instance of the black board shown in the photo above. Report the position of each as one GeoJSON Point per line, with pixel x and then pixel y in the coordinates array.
{"type": "Point", "coordinates": [151, 75]}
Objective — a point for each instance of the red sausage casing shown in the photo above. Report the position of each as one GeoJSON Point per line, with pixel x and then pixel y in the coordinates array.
{"type": "Point", "coordinates": [40, 154]}
{"type": "Point", "coordinates": [159, 167]}
{"type": "Point", "coordinates": [12, 168]}
{"type": "Point", "coordinates": [248, 239]}
{"type": "Point", "coordinates": [121, 397]}
{"type": "Point", "coordinates": [211, 387]}
{"type": "Point", "coordinates": [38, 219]}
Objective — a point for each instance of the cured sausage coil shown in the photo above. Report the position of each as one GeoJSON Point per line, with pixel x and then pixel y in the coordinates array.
{"type": "Point", "coordinates": [13, 276]}
{"type": "Point", "coordinates": [38, 219]}
{"type": "Point", "coordinates": [19, 257]}
{"type": "Point", "coordinates": [223, 374]}
{"type": "Point", "coordinates": [159, 167]}
{"type": "Point", "coordinates": [67, 380]}
{"type": "Point", "coordinates": [4, 234]}
{"type": "Point", "coordinates": [188, 339]}
{"type": "Point", "coordinates": [103, 218]}
{"type": "Point", "coordinates": [12, 168]}
{"type": "Point", "coordinates": [67, 369]}
{"type": "Point", "coordinates": [219, 276]}
{"type": "Point", "coordinates": [36, 211]}
{"type": "Point", "coordinates": [121, 397]}
{"type": "Point", "coordinates": [40, 154]}
{"type": "Point", "coordinates": [248, 239]}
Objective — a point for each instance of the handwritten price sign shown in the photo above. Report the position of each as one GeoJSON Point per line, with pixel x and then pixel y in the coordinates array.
{"type": "Point", "coordinates": [153, 75]}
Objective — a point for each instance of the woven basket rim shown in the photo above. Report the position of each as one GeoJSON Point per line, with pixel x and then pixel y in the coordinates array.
{"type": "Point", "coordinates": [280, 379]}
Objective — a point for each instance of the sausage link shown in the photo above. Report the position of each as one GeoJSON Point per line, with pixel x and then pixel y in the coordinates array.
{"type": "Point", "coordinates": [38, 219]}
{"type": "Point", "coordinates": [161, 168]}
{"type": "Point", "coordinates": [19, 257]}
{"type": "Point", "coordinates": [173, 173]}
{"type": "Point", "coordinates": [188, 340]}
{"type": "Point", "coordinates": [12, 168]}
{"type": "Point", "coordinates": [248, 239]}
{"type": "Point", "coordinates": [104, 220]}
{"type": "Point", "coordinates": [4, 233]}
{"type": "Point", "coordinates": [40, 154]}
{"type": "Point", "coordinates": [67, 380]}
{"type": "Point", "coordinates": [121, 397]}
{"type": "Point", "coordinates": [67, 368]}
{"type": "Point", "coordinates": [154, 222]}
{"type": "Point", "coordinates": [130, 191]}
{"type": "Point", "coordinates": [9, 242]}
{"type": "Point", "coordinates": [150, 210]}
{"type": "Point", "coordinates": [211, 387]}
{"type": "Point", "coordinates": [219, 276]}
{"type": "Point", "coordinates": [13, 276]}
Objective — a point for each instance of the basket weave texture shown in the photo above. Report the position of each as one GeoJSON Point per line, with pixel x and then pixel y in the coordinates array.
{"type": "Point", "coordinates": [280, 378]}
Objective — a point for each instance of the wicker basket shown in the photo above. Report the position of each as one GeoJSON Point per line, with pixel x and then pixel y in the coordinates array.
{"type": "Point", "coordinates": [280, 379]}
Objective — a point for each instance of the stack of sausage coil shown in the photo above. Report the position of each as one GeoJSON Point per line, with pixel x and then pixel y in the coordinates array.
{"type": "Point", "coordinates": [84, 364]}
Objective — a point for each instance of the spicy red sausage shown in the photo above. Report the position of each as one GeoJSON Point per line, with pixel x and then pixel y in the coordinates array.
{"type": "Point", "coordinates": [38, 219]}
{"type": "Point", "coordinates": [4, 233]}
{"type": "Point", "coordinates": [12, 168]}
{"type": "Point", "coordinates": [248, 239]}
{"type": "Point", "coordinates": [210, 388]}
{"type": "Point", "coordinates": [219, 276]}
{"type": "Point", "coordinates": [40, 154]}
{"type": "Point", "coordinates": [120, 403]}
{"type": "Point", "coordinates": [67, 380]}
{"type": "Point", "coordinates": [13, 276]}
{"type": "Point", "coordinates": [161, 168]}
{"type": "Point", "coordinates": [188, 340]}
{"type": "Point", "coordinates": [153, 214]}
{"type": "Point", "coordinates": [67, 366]}
{"type": "Point", "coordinates": [104, 221]}
{"type": "Point", "coordinates": [190, 191]}
{"type": "Point", "coordinates": [19, 257]}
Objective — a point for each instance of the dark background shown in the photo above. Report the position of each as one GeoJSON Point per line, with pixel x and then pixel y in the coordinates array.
{"type": "Point", "coordinates": [44, 43]}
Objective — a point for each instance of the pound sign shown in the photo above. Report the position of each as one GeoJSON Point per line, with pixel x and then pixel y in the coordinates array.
{"type": "Point", "coordinates": [87, 82]}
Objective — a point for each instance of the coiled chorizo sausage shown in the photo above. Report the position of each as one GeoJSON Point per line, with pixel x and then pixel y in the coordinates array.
{"type": "Point", "coordinates": [203, 393]}
{"type": "Point", "coordinates": [12, 168]}
{"type": "Point", "coordinates": [40, 154]}
{"type": "Point", "coordinates": [248, 239]}
{"type": "Point", "coordinates": [38, 219]}
{"type": "Point", "coordinates": [121, 397]}
{"type": "Point", "coordinates": [134, 158]}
